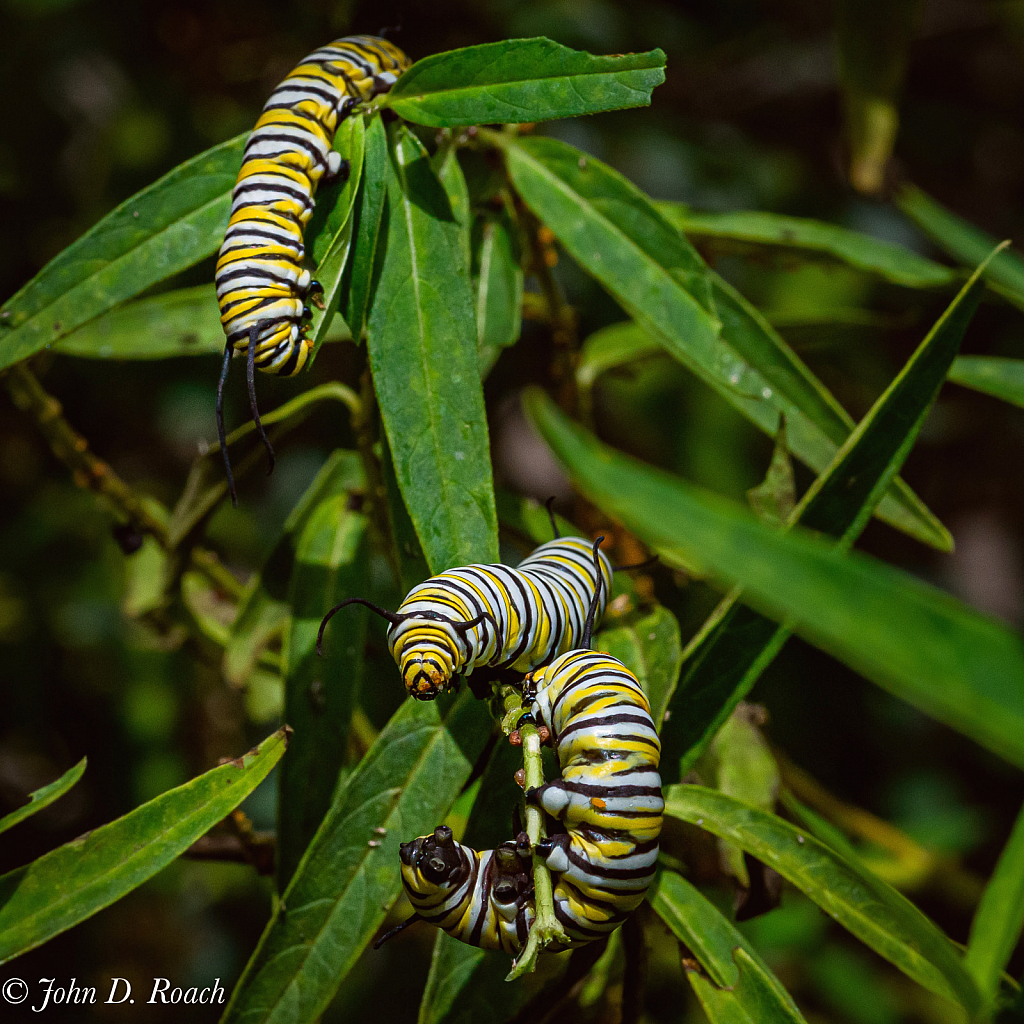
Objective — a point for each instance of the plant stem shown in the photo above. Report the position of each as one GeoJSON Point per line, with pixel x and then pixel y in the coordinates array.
{"type": "Point", "coordinates": [146, 514]}
{"type": "Point", "coordinates": [546, 928]}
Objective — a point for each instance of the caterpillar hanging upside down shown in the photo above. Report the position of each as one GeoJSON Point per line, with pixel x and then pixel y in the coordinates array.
{"type": "Point", "coordinates": [608, 799]}
{"type": "Point", "coordinates": [492, 617]}
{"type": "Point", "coordinates": [262, 284]}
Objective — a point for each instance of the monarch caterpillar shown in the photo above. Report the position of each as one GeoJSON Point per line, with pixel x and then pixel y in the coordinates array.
{"type": "Point", "coordinates": [492, 616]}
{"type": "Point", "coordinates": [608, 798]}
{"type": "Point", "coordinates": [261, 282]}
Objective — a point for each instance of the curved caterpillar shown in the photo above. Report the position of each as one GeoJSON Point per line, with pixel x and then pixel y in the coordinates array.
{"type": "Point", "coordinates": [608, 797]}
{"type": "Point", "coordinates": [261, 283]}
{"type": "Point", "coordinates": [493, 617]}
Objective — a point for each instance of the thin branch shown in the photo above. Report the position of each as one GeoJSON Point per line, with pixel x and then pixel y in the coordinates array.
{"type": "Point", "coordinates": [93, 473]}
{"type": "Point", "coordinates": [546, 928]}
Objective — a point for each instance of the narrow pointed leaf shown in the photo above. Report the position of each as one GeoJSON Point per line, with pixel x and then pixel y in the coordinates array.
{"type": "Point", "coordinates": [888, 260]}
{"type": "Point", "coordinates": [328, 235]}
{"type": "Point", "coordinates": [368, 214]}
{"type": "Point", "coordinates": [869, 908]}
{"type": "Point", "coordinates": [520, 80]}
{"type": "Point", "coordinates": [43, 797]}
{"type": "Point", "coordinates": [739, 985]}
{"type": "Point", "coordinates": [724, 660]}
{"type": "Point", "coordinates": [1001, 378]}
{"type": "Point", "coordinates": [999, 919]}
{"type": "Point", "coordinates": [423, 353]}
{"type": "Point", "coordinates": [964, 242]}
{"type": "Point", "coordinates": [499, 292]}
{"type": "Point", "coordinates": [616, 234]}
{"type": "Point", "coordinates": [184, 322]}
{"type": "Point", "coordinates": [343, 887]}
{"type": "Point", "coordinates": [755, 999]}
{"type": "Point", "coordinates": [174, 223]}
{"type": "Point", "coordinates": [873, 38]}
{"type": "Point", "coordinates": [73, 882]}
{"type": "Point", "coordinates": [962, 667]}
{"type": "Point", "coordinates": [331, 563]}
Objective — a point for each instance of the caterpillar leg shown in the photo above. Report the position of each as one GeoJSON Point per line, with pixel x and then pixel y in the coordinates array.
{"type": "Point", "coordinates": [554, 851]}
{"type": "Point", "coordinates": [338, 169]}
{"type": "Point", "coordinates": [553, 797]}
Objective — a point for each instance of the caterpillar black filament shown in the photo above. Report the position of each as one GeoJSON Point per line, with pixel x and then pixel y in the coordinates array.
{"type": "Point", "coordinates": [493, 617]}
{"type": "Point", "coordinates": [608, 799]}
{"type": "Point", "coordinates": [261, 281]}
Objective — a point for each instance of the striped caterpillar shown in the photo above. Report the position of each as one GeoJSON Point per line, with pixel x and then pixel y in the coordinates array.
{"type": "Point", "coordinates": [261, 282]}
{"type": "Point", "coordinates": [608, 799]}
{"type": "Point", "coordinates": [493, 617]}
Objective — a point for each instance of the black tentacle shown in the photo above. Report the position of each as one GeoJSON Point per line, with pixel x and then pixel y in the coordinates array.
{"type": "Point", "coordinates": [250, 373]}
{"type": "Point", "coordinates": [220, 424]}
{"type": "Point", "coordinates": [595, 603]}
{"type": "Point", "coordinates": [392, 617]}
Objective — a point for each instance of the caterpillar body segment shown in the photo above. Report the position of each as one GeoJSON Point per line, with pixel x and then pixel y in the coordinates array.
{"type": "Point", "coordinates": [479, 898]}
{"type": "Point", "coordinates": [530, 615]}
{"type": "Point", "coordinates": [609, 794]}
{"type": "Point", "coordinates": [608, 799]}
{"type": "Point", "coordinates": [261, 282]}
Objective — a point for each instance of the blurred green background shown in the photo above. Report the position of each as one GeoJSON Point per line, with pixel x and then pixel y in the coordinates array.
{"type": "Point", "coordinates": [102, 98]}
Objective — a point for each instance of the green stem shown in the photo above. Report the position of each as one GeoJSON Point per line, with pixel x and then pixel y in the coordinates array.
{"type": "Point", "coordinates": [546, 928]}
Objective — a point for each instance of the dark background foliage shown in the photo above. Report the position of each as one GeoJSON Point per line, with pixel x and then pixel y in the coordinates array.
{"type": "Point", "coordinates": [102, 98]}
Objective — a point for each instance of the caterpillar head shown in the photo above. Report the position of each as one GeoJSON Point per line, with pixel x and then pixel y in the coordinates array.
{"type": "Point", "coordinates": [427, 654]}
{"type": "Point", "coordinates": [432, 866]}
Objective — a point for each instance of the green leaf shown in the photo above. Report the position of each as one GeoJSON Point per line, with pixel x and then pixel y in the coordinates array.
{"type": "Point", "coordinates": [530, 519]}
{"type": "Point", "coordinates": [774, 498]}
{"type": "Point", "coordinates": [177, 221]}
{"type": "Point", "coordinates": [816, 425]}
{"type": "Point", "coordinates": [329, 233]}
{"type": "Point", "coordinates": [445, 163]}
{"type": "Point", "coordinates": [331, 563]}
{"type": "Point", "coordinates": [873, 38]}
{"type": "Point", "coordinates": [264, 612]}
{"type": "Point", "coordinates": [886, 259]}
{"type": "Point", "coordinates": [965, 242]}
{"type": "Point", "coordinates": [873, 911]}
{"type": "Point", "coordinates": [1001, 378]}
{"type": "Point", "coordinates": [342, 888]}
{"type": "Point", "coordinates": [522, 80]}
{"type": "Point", "coordinates": [184, 322]}
{"type": "Point", "coordinates": [755, 999]}
{"type": "Point", "coordinates": [499, 291]}
{"type": "Point", "coordinates": [648, 644]}
{"type": "Point", "coordinates": [69, 884]}
{"type": "Point", "coordinates": [44, 797]}
{"type": "Point", "coordinates": [963, 668]}
{"type": "Point", "coordinates": [998, 921]}
{"type": "Point", "coordinates": [362, 268]}
{"type": "Point", "coordinates": [613, 346]}
{"type": "Point", "coordinates": [423, 353]}
{"type": "Point", "coordinates": [616, 234]}
{"type": "Point", "coordinates": [736, 644]}
{"type": "Point", "coordinates": [325, 231]}
{"type": "Point", "coordinates": [739, 985]}
{"type": "Point", "coordinates": [739, 763]}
